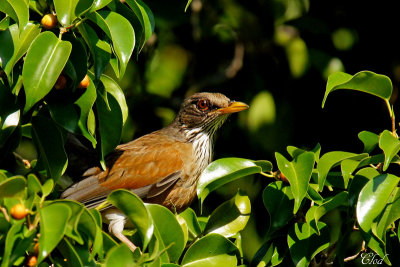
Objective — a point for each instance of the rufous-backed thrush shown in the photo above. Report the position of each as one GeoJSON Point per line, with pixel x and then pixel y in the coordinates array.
{"type": "Point", "coordinates": [162, 167]}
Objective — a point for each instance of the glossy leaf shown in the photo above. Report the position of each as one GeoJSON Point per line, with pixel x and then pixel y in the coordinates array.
{"type": "Point", "coordinates": [15, 43]}
{"type": "Point", "coordinates": [99, 4]}
{"type": "Point", "coordinates": [65, 115]}
{"type": "Point", "coordinates": [68, 10]}
{"type": "Point", "coordinates": [316, 212]}
{"type": "Point", "coordinates": [21, 10]}
{"type": "Point", "coordinates": [389, 216]}
{"type": "Point", "coordinates": [13, 187]}
{"type": "Point", "coordinates": [369, 139]}
{"type": "Point", "coordinates": [53, 223]}
{"type": "Point", "coordinates": [120, 31]}
{"type": "Point", "coordinates": [45, 59]}
{"type": "Point", "coordinates": [132, 206]}
{"type": "Point", "coordinates": [191, 221]}
{"type": "Point", "coordinates": [278, 200]}
{"type": "Point", "coordinates": [373, 199]}
{"type": "Point", "coordinates": [230, 217]}
{"type": "Point", "coordinates": [358, 182]}
{"type": "Point", "coordinates": [34, 185]}
{"type": "Point", "coordinates": [50, 143]}
{"type": "Point", "coordinates": [390, 146]}
{"type": "Point", "coordinates": [113, 88]}
{"type": "Point", "coordinates": [85, 104]}
{"type": "Point", "coordinates": [304, 242]}
{"type": "Point", "coordinates": [223, 171]}
{"type": "Point", "coordinates": [13, 234]}
{"type": "Point", "coordinates": [332, 159]}
{"type": "Point", "coordinates": [211, 250]}
{"type": "Point", "coordinates": [110, 124]}
{"type": "Point", "coordinates": [68, 251]}
{"type": "Point", "coordinates": [78, 57]}
{"type": "Point", "coordinates": [146, 19]}
{"type": "Point", "coordinates": [120, 256]}
{"type": "Point", "coordinates": [364, 81]}
{"type": "Point", "coordinates": [298, 172]}
{"type": "Point", "coordinates": [99, 49]}
{"type": "Point", "coordinates": [171, 234]}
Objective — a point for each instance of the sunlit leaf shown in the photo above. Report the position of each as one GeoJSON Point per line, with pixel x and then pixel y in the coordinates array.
{"type": "Point", "coordinates": [68, 10]}
{"type": "Point", "coordinates": [390, 146]}
{"type": "Point", "coordinates": [373, 199]}
{"type": "Point", "coordinates": [44, 61]}
{"type": "Point", "coordinates": [211, 250]}
{"type": "Point", "coordinates": [113, 88]}
{"type": "Point", "coordinates": [223, 171]}
{"type": "Point", "coordinates": [298, 172]}
{"type": "Point", "coordinates": [13, 187]}
{"type": "Point", "coordinates": [304, 242]}
{"type": "Point", "coordinates": [53, 223]}
{"type": "Point", "coordinates": [192, 222]}
{"type": "Point", "coordinates": [230, 217]}
{"type": "Point", "coordinates": [369, 139]}
{"type": "Point", "coordinates": [364, 81]}
{"type": "Point", "coordinates": [132, 206]}
{"type": "Point", "coordinates": [121, 33]}
{"type": "Point", "coordinates": [120, 256]}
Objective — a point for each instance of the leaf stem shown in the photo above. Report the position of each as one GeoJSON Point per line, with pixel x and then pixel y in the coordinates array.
{"type": "Point", "coordinates": [392, 117]}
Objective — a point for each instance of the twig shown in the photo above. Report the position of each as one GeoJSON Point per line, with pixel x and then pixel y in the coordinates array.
{"type": "Point", "coordinates": [24, 161]}
{"type": "Point", "coordinates": [4, 211]}
{"type": "Point", "coordinates": [353, 257]}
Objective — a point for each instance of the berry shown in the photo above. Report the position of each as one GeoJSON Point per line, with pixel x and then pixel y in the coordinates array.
{"type": "Point", "coordinates": [49, 21]}
{"type": "Point", "coordinates": [19, 211]}
{"type": "Point", "coordinates": [84, 83]}
{"type": "Point", "coordinates": [61, 82]}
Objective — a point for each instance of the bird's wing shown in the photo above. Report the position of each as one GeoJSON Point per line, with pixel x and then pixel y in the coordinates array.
{"type": "Point", "coordinates": [147, 166]}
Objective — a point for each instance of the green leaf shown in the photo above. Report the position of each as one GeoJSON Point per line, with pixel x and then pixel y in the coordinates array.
{"type": "Point", "coordinates": [364, 81]}
{"type": "Point", "coordinates": [53, 223]}
{"type": "Point", "coordinates": [358, 182]}
{"type": "Point", "coordinates": [298, 172]}
{"type": "Point", "coordinates": [389, 216]}
{"type": "Point", "coordinates": [99, 4]}
{"type": "Point", "coordinates": [121, 33]}
{"type": "Point", "coordinates": [68, 251]}
{"type": "Point", "coordinates": [223, 171]}
{"type": "Point", "coordinates": [110, 124]}
{"type": "Point", "coordinates": [120, 256]}
{"type": "Point", "coordinates": [13, 187]}
{"type": "Point", "coordinates": [113, 88]}
{"type": "Point", "coordinates": [15, 43]}
{"type": "Point", "coordinates": [211, 250]}
{"type": "Point", "coordinates": [170, 232]}
{"type": "Point", "coordinates": [373, 199]}
{"type": "Point", "coordinates": [99, 49]}
{"type": "Point", "coordinates": [390, 146]}
{"type": "Point", "coordinates": [278, 200]}
{"type": "Point", "coordinates": [132, 206]}
{"type": "Point", "coordinates": [21, 10]}
{"type": "Point", "coordinates": [50, 143]}
{"type": "Point", "coordinates": [43, 64]}
{"type": "Point", "coordinates": [192, 222]}
{"type": "Point", "coordinates": [316, 212]}
{"type": "Point", "coordinates": [13, 234]}
{"type": "Point", "coordinates": [146, 19]}
{"type": "Point", "coordinates": [369, 139]}
{"type": "Point", "coordinates": [85, 104]}
{"type": "Point", "coordinates": [304, 242]}
{"type": "Point", "coordinates": [68, 10]}
{"type": "Point", "coordinates": [187, 4]}
{"type": "Point", "coordinates": [230, 217]}
{"type": "Point", "coordinates": [34, 186]}
{"type": "Point", "coordinates": [65, 115]}
{"type": "Point", "coordinates": [332, 159]}
{"type": "Point", "coordinates": [78, 57]}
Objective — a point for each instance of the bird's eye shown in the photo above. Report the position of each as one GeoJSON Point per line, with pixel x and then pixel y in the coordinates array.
{"type": "Point", "coordinates": [203, 105]}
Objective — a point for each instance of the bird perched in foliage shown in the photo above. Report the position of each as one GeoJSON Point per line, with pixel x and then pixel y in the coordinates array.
{"type": "Point", "coordinates": [162, 167]}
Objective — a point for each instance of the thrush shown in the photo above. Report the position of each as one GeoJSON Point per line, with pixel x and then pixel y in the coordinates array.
{"type": "Point", "coordinates": [162, 167]}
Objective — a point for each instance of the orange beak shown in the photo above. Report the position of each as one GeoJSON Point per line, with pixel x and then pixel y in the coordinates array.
{"type": "Point", "coordinates": [233, 108]}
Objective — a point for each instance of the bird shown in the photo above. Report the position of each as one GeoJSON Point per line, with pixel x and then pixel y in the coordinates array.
{"type": "Point", "coordinates": [161, 167]}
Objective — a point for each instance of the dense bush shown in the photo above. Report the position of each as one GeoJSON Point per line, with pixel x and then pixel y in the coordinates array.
{"type": "Point", "coordinates": [322, 207]}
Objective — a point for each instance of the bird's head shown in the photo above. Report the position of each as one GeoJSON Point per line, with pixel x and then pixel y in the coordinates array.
{"type": "Point", "coordinates": [207, 111]}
